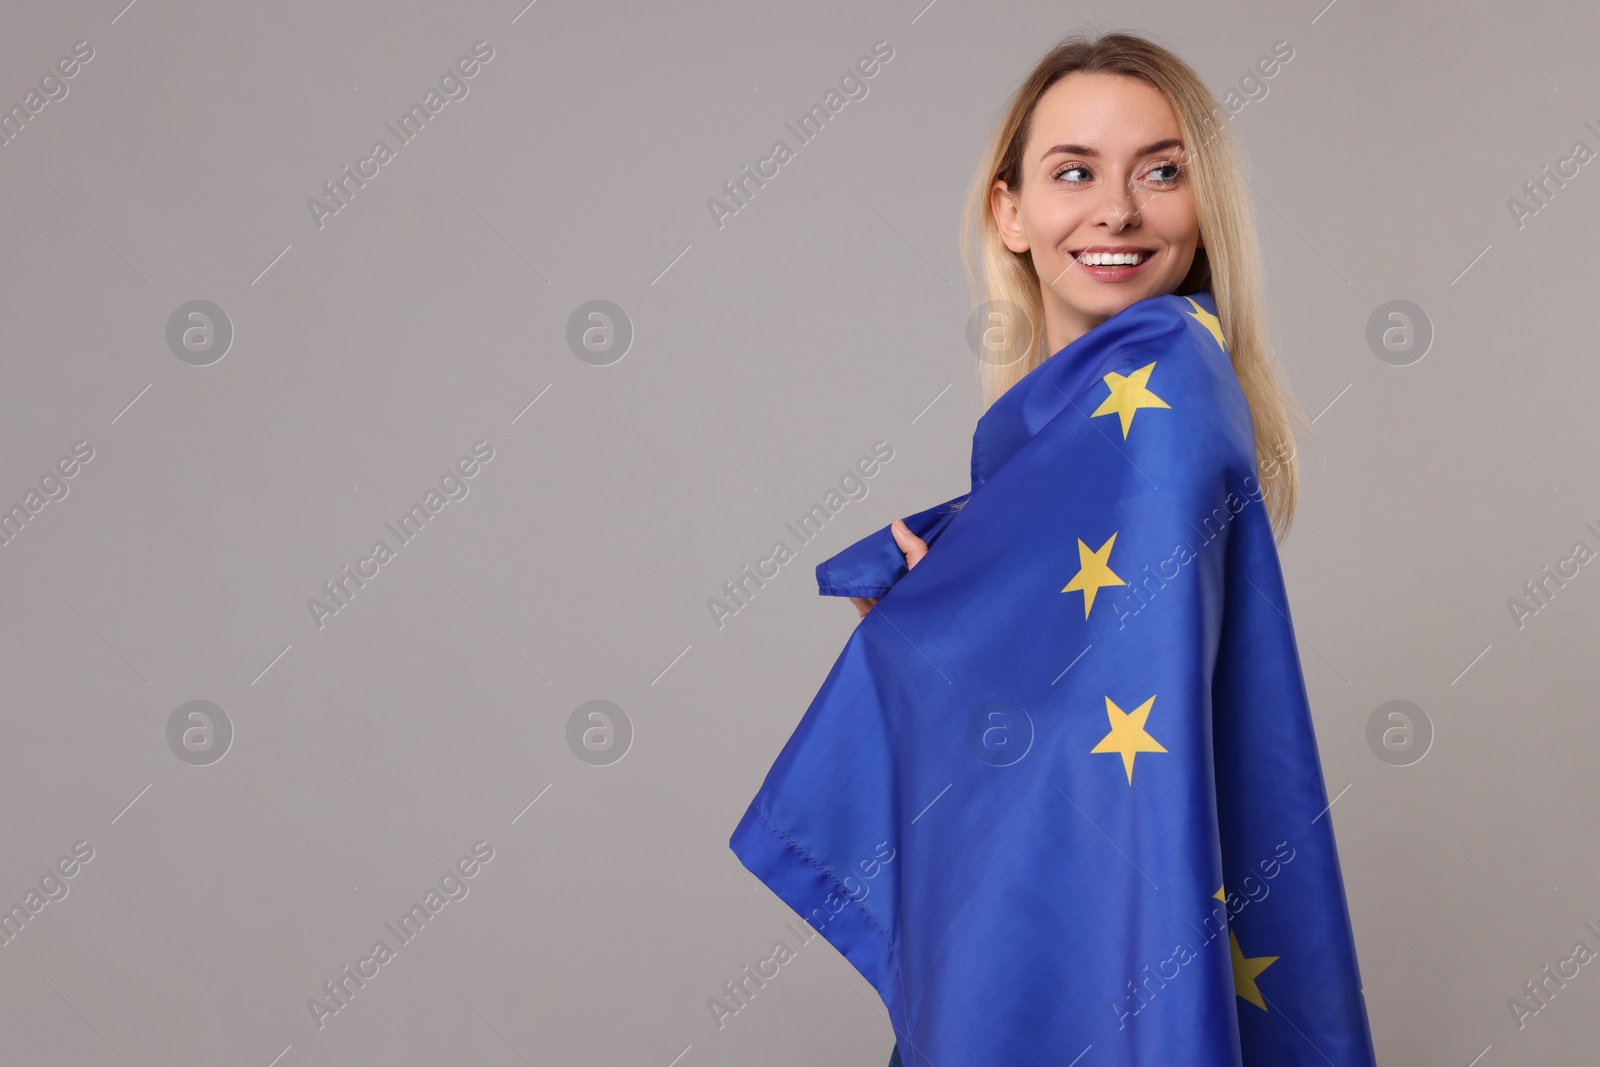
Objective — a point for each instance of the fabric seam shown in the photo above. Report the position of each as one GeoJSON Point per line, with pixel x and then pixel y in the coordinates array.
{"type": "Point", "coordinates": [829, 589]}
{"type": "Point", "coordinates": [872, 917]}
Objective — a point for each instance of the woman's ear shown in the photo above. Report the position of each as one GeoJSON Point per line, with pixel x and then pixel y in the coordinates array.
{"type": "Point", "coordinates": [1007, 217]}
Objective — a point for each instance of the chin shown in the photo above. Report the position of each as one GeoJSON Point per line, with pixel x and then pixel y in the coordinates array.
{"type": "Point", "coordinates": [1110, 300]}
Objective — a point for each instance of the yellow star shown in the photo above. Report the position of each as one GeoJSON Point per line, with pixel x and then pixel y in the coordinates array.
{"type": "Point", "coordinates": [1127, 737]}
{"type": "Point", "coordinates": [1128, 394]}
{"type": "Point", "coordinates": [1246, 970]}
{"type": "Point", "coordinates": [1209, 321]}
{"type": "Point", "coordinates": [1094, 571]}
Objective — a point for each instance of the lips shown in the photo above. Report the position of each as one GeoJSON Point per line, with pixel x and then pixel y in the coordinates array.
{"type": "Point", "coordinates": [1113, 273]}
{"type": "Point", "coordinates": [1124, 249]}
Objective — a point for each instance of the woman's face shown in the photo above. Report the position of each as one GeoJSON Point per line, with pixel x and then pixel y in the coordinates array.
{"type": "Point", "coordinates": [1102, 171]}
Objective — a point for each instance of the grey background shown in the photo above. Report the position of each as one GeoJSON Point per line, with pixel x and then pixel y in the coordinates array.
{"type": "Point", "coordinates": [768, 355]}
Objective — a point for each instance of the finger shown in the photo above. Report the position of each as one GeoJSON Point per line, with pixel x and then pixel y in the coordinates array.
{"type": "Point", "coordinates": [863, 604]}
{"type": "Point", "coordinates": [913, 546]}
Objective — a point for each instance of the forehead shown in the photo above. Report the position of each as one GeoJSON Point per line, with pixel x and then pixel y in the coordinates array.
{"type": "Point", "coordinates": [1112, 113]}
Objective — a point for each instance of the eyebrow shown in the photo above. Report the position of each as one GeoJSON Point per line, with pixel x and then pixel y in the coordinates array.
{"type": "Point", "coordinates": [1085, 150]}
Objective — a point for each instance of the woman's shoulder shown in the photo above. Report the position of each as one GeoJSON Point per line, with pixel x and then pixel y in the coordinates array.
{"type": "Point", "coordinates": [1172, 357]}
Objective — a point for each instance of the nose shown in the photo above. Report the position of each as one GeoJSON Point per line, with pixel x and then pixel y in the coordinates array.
{"type": "Point", "coordinates": [1120, 208]}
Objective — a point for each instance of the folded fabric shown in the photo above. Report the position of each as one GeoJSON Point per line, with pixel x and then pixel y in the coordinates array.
{"type": "Point", "coordinates": [872, 565]}
{"type": "Point", "coordinates": [1060, 795]}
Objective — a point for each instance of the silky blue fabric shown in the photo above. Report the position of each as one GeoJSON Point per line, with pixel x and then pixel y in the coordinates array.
{"type": "Point", "coordinates": [1060, 792]}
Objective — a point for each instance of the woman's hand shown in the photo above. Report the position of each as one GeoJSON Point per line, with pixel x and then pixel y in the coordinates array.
{"type": "Point", "coordinates": [914, 548]}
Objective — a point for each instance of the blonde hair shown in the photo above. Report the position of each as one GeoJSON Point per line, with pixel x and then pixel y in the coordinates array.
{"type": "Point", "coordinates": [1228, 266]}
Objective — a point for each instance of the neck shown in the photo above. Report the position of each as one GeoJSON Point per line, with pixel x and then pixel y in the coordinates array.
{"type": "Point", "coordinates": [1064, 325]}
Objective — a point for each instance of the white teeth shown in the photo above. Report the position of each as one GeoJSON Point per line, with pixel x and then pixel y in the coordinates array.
{"type": "Point", "coordinates": [1111, 259]}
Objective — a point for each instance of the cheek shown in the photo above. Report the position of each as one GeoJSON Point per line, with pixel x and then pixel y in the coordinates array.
{"type": "Point", "coordinates": [1175, 222]}
{"type": "Point", "coordinates": [1052, 222]}
{"type": "Point", "coordinates": [1182, 225]}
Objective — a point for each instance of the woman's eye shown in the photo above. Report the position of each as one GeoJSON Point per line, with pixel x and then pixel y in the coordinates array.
{"type": "Point", "coordinates": [1164, 173]}
{"type": "Point", "coordinates": [1069, 169]}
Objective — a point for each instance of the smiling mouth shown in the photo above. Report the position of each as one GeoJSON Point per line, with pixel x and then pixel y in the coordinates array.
{"type": "Point", "coordinates": [1129, 257]}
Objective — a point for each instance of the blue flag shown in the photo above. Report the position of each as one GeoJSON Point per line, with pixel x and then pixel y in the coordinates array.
{"type": "Point", "coordinates": [1060, 794]}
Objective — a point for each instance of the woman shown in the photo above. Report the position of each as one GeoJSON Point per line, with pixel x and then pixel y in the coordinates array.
{"type": "Point", "coordinates": [1129, 852]}
{"type": "Point", "coordinates": [1035, 210]}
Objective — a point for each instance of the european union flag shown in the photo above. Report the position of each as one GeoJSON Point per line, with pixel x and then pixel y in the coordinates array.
{"type": "Point", "coordinates": [1059, 798]}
